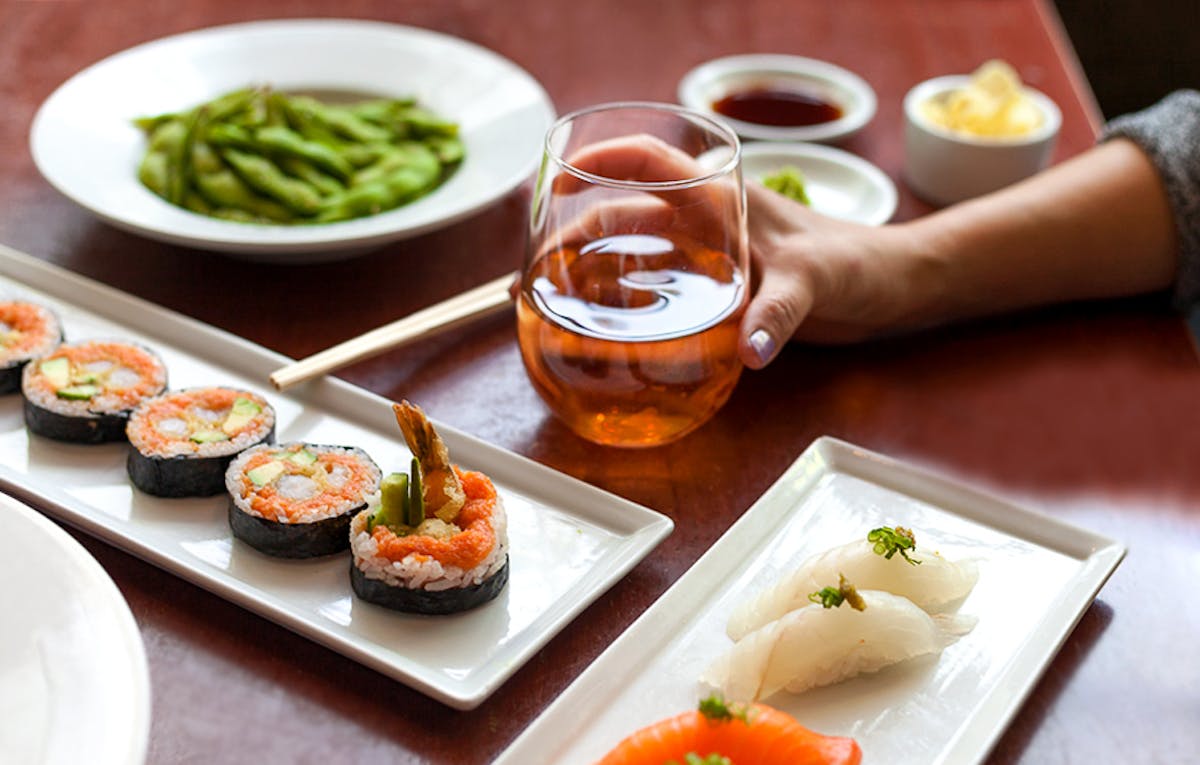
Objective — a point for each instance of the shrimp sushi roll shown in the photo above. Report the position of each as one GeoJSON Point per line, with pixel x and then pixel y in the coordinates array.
{"type": "Point", "coordinates": [84, 392]}
{"type": "Point", "coordinates": [433, 541]}
{"type": "Point", "coordinates": [296, 500]}
{"type": "Point", "coordinates": [27, 330]}
{"type": "Point", "coordinates": [182, 442]}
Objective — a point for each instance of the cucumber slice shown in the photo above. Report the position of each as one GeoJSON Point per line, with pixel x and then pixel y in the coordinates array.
{"type": "Point", "coordinates": [416, 496]}
{"type": "Point", "coordinates": [393, 504]}
{"type": "Point", "coordinates": [77, 392]}
{"type": "Point", "coordinates": [209, 436]}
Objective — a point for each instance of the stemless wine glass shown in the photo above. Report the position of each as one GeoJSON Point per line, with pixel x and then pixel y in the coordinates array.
{"type": "Point", "coordinates": [635, 277]}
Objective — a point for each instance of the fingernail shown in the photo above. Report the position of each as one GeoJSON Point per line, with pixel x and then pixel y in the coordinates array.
{"type": "Point", "coordinates": [763, 345]}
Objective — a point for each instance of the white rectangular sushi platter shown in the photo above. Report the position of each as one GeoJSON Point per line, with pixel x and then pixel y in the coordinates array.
{"type": "Point", "coordinates": [1037, 576]}
{"type": "Point", "coordinates": [569, 541]}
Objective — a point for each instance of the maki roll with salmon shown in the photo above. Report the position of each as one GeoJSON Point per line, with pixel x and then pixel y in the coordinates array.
{"type": "Point", "coordinates": [296, 500]}
{"type": "Point", "coordinates": [182, 442]}
{"type": "Point", "coordinates": [27, 330]}
{"type": "Point", "coordinates": [435, 540]}
{"type": "Point", "coordinates": [84, 392]}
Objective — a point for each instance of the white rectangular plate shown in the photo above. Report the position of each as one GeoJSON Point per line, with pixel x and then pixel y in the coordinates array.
{"type": "Point", "coordinates": [569, 541]}
{"type": "Point", "coordinates": [1037, 575]}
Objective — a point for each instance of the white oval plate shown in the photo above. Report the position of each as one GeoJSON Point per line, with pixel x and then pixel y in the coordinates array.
{"type": "Point", "coordinates": [84, 142]}
{"type": "Point", "coordinates": [76, 687]}
{"type": "Point", "coordinates": [715, 79]}
{"type": "Point", "coordinates": [838, 183]}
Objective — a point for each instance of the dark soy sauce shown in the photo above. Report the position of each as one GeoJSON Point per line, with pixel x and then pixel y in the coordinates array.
{"type": "Point", "coordinates": [777, 107]}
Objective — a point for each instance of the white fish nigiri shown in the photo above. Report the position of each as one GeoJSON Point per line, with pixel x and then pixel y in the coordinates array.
{"type": "Point", "coordinates": [815, 646]}
{"type": "Point", "coordinates": [933, 584]}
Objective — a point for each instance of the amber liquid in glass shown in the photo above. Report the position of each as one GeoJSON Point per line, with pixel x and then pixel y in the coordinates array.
{"type": "Point", "coordinates": [632, 339]}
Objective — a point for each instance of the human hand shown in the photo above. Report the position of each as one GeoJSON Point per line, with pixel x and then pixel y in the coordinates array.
{"type": "Point", "coordinates": [816, 278]}
{"type": "Point", "coordinates": [824, 280]}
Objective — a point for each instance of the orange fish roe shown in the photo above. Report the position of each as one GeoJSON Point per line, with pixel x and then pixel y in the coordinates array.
{"type": "Point", "coordinates": [270, 504]}
{"type": "Point", "coordinates": [151, 376]}
{"type": "Point", "coordinates": [183, 405]}
{"type": "Point", "coordinates": [468, 548]}
{"type": "Point", "coordinates": [28, 325]}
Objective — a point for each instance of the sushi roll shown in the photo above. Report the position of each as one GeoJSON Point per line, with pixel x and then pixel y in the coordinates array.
{"type": "Point", "coordinates": [182, 442]}
{"type": "Point", "coordinates": [84, 392]}
{"type": "Point", "coordinates": [434, 541]}
{"type": "Point", "coordinates": [296, 500]}
{"type": "Point", "coordinates": [27, 330]}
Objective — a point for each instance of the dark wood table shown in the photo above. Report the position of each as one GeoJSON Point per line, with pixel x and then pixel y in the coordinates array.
{"type": "Point", "coordinates": [1085, 412]}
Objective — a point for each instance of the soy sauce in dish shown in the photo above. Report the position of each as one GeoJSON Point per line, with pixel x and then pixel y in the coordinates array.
{"type": "Point", "coordinates": [777, 107]}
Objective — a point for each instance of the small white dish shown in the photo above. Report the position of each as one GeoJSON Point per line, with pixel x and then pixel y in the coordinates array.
{"type": "Point", "coordinates": [715, 79]}
{"type": "Point", "coordinates": [943, 166]}
{"type": "Point", "coordinates": [76, 687]}
{"type": "Point", "coordinates": [838, 183]}
{"type": "Point", "coordinates": [84, 142]}
{"type": "Point", "coordinates": [1037, 575]}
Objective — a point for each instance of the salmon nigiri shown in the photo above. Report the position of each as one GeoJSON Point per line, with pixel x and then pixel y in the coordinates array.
{"type": "Point", "coordinates": [718, 732]}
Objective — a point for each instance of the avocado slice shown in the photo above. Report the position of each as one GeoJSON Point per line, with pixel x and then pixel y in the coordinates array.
{"type": "Point", "coordinates": [240, 415]}
{"type": "Point", "coordinates": [393, 505]}
{"type": "Point", "coordinates": [265, 473]}
{"type": "Point", "coordinates": [57, 371]}
{"type": "Point", "coordinates": [9, 337]}
{"type": "Point", "coordinates": [302, 457]}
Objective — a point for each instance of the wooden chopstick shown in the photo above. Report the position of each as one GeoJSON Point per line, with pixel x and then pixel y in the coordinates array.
{"type": "Point", "coordinates": [449, 313]}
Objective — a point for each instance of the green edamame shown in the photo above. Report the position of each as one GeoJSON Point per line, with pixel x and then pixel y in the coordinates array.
{"type": "Point", "coordinates": [260, 156]}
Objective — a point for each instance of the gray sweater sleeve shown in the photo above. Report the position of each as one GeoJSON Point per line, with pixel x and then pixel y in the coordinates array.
{"type": "Point", "coordinates": [1169, 133]}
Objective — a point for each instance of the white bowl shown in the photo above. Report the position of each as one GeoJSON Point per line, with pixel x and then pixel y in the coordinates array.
{"type": "Point", "coordinates": [714, 80]}
{"type": "Point", "coordinates": [85, 144]}
{"type": "Point", "coordinates": [943, 167]}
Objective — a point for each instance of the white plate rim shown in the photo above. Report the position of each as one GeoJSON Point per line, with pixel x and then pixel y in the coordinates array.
{"type": "Point", "coordinates": [635, 529]}
{"type": "Point", "coordinates": [292, 244]}
{"type": "Point", "coordinates": [635, 649]}
{"type": "Point", "coordinates": [694, 85]}
{"type": "Point", "coordinates": [104, 597]}
{"type": "Point", "coordinates": [873, 175]}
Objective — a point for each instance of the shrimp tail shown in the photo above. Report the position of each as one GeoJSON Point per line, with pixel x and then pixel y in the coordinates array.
{"type": "Point", "coordinates": [443, 491]}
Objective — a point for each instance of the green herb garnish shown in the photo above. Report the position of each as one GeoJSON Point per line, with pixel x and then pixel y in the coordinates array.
{"type": "Point", "coordinates": [691, 758]}
{"type": "Point", "coordinates": [789, 181]}
{"type": "Point", "coordinates": [889, 541]}
{"type": "Point", "coordinates": [833, 597]}
{"type": "Point", "coordinates": [717, 709]}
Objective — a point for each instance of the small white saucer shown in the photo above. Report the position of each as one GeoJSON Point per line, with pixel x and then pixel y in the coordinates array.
{"type": "Point", "coordinates": [715, 79]}
{"type": "Point", "coordinates": [838, 183]}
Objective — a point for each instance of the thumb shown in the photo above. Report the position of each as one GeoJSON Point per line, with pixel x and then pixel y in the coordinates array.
{"type": "Point", "coordinates": [775, 311]}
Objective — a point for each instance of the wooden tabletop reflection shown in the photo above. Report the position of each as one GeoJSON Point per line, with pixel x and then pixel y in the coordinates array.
{"type": "Point", "coordinates": [1088, 413]}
